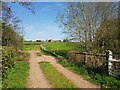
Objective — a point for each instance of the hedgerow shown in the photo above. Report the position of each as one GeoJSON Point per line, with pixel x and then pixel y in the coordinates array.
{"type": "Point", "coordinates": [9, 56]}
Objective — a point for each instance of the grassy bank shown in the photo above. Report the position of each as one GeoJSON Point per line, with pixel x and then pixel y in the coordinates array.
{"type": "Point", "coordinates": [56, 79]}
{"type": "Point", "coordinates": [104, 80]}
{"type": "Point", "coordinates": [17, 75]}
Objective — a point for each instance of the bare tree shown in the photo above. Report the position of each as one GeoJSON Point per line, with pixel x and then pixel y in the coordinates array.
{"type": "Point", "coordinates": [81, 20]}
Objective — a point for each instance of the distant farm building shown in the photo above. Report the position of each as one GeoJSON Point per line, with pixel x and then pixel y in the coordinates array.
{"type": "Point", "coordinates": [38, 40]}
{"type": "Point", "coordinates": [50, 40]}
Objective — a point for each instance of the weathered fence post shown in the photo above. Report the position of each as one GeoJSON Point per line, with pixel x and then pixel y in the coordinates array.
{"type": "Point", "coordinates": [85, 61]}
{"type": "Point", "coordinates": [111, 65]}
{"type": "Point", "coordinates": [107, 61]}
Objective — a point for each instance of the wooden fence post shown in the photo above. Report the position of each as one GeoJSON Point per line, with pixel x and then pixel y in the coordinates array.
{"type": "Point", "coordinates": [110, 63]}
{"type": "Point", "coordinates": [85, 61]}
{"type": "Point", "coordinates": [107, 61]}
{"type": "Point", "coordinates": [111, 68]}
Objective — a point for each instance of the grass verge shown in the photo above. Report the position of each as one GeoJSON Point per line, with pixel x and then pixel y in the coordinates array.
{"type": "Point", "coordinates": [104, 80]}
{"type": "Point", "coordinates": [17, 76]}
{"type": "Point", "coordinates": [56, 79]}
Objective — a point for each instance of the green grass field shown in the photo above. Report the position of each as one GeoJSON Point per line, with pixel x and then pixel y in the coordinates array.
{"type": "Point", "coordinates": [62, 46]}
{"type": "Point", "coordinates": [17, 76]}
{"type": "Point", "coordinates": [56, 79]}
{"type": "Point", "coordinates": [31, 46]}
{"type": "Point", "coordinates": [51, 45]}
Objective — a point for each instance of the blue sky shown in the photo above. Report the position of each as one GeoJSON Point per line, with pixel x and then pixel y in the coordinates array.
{"type": "Point", "coordinates": [41, 25]}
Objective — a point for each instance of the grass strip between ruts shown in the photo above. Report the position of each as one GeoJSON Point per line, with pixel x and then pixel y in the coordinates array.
{"type": "Point", "coordinates": [56, 79]}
